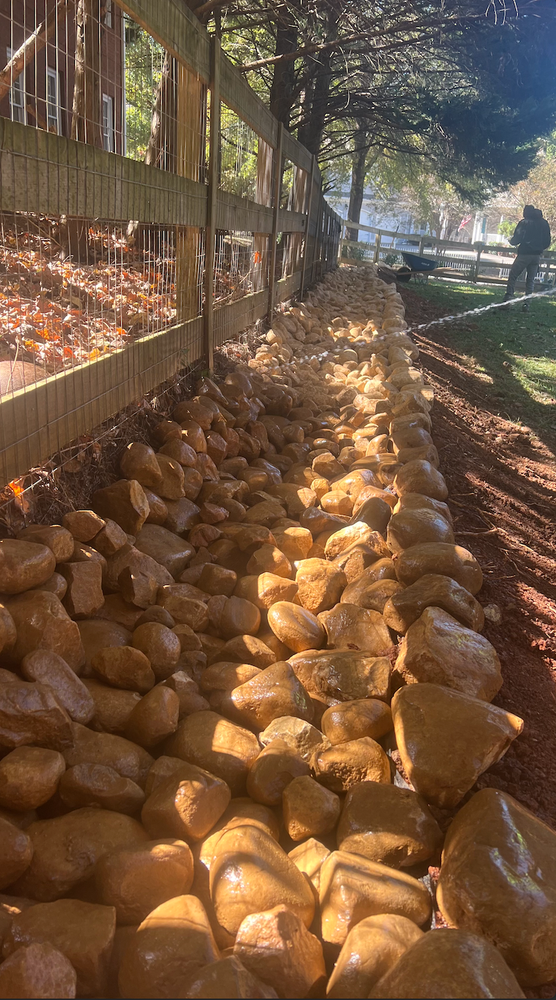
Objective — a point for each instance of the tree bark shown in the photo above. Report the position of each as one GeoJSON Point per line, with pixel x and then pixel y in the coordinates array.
{"type": "Point", "coordinates": [86, 116]}
{"type": "Point", "coordinates": [282, 90]}
{"type": "Point", "coordinates": [358, 174]}
{"type": "Point", "coordinates": [162, 140]}
{"type": "Point", "coordinates": [311, 130]}
{"type": "Point", "coordinates": [32, 45]}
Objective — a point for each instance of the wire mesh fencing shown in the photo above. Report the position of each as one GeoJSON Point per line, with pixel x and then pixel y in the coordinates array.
{"type": "Point", "coordinates": [150, 209]}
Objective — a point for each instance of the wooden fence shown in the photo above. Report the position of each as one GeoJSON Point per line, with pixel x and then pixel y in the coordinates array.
{"type": "Point", "coordinates": [45, 174]}
{"type": "Point", "coordinates": [466, 261]}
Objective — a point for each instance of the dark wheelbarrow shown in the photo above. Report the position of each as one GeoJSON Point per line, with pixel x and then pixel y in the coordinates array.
{"type": "Point", "coordinates": [415, 264]}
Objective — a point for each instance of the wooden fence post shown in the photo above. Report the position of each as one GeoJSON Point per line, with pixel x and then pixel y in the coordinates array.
{"type": "Point", "coordinates": [274, 235]}
{"type": "Point", "coordinates": [263, 197]}
{"type": "Point", "coordinates": [190, 150]}
{"type": "Point", "coordinates": [213, 182]}
{"type": "Point", "coordinates": [377, 249]}
{"type": "Point", "coordinates": [307, 225]}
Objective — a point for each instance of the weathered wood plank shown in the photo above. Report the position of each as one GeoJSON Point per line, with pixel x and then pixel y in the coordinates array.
{"type": "Point", "coordinates": [231, 319]}
{"type": "Point", "coordinates": [241, 215]}
{"type": "Point", "coordinates": [46, 173]}
{"type": "Point", "coordinates": [37, 421]}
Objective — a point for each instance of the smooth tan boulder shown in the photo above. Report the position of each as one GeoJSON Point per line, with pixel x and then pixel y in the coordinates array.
{"type": "Point", "coordinates": [83, 524]}
{"type": "Point", "coordinates": [310, 810]}
{"type": "Point", "coordinates": [437, 649]}
{"type": "Point", "coordinates": [113, 706]}
{"type": "Point", "coordinates": [186, 805]}
{"type": "Point", "coordinates": [250, 873]}
{"type": "Point", "coordinates": [57, 867]}
{"type": "Point", "coordinates": [183, 514]}
{"type": "Point", "coordinates": [83, 932]}
{"type": "Point", "coordinates": [351, 720]}
{"type": "Point", "coordinates": [270, 559]}
{"type": "Point", "coordinates": [352, 888]}
{"type": "Point", "coordinates": [8, 633]}
{"type": "Point", "coordinates": [350, 627]}
{"type": "Point", "coordinates": [449, 963]}
{"type": "Point", "coordinates": [84, 594]}
{"type": "Point", "coordinates": [299, 734]}
{"type": "Point", "coordinates": [30, 715]}
{"type": "Point", "coordinates": [137, 588]}
{"type": "Point", "coordinates": [447, 739]}
{"type": "Point", "coordinates": [124, 667]}
{"type": "Point", "coordinates": [96, 634]}
{"type": "Point", "coordinates": [276, 947]}
{"type": "Point", "coordinates": [16, 852]}
{"type": "Point", "coordinates": [355, 534]}
{"type": "Point", "coordinates": [56, 538]}
{"type": "Point", "coordinates": [131, 559]}
{"type": "Point", "coordinates": [275, 767]}
{"type": "Point", "coordinates": [271, 694]}
{"type": "Point", "coordinates": [439, 557]}
{"type": "Point", "coordinates": [346, 764]}
{"type": "Point", "coordinates": [240, 812]}
{"type": "Point", "coordinates": [342, 675]}
{"type": "Point", "coordinates": [373, 596]}
{"type": "Point", "coordinates": [49, 669]}
{"type": "Point", "coordinates": [24, 565]}
{"type": "Point", "coordinates": [413, 501]}
{"type": "Point", "coordinates": [174, 942]}
{"type": "Point", "coordinates": [161, 647]}
{"type": "Point", "coordinates": [247, 649]}
{"type": "Point", "coordinates": [356, 590]}
{"type": "Point", "coordinates": [309, 856]}
{"type": "Point", "coordinates": [172, 485]}
{"type": "Point", "coordinates": [154, 718]}
{"type": "Point", "coordinates": [165, 547]}
{"type": "Point", "coordinates": [125, 757]}
{"type": "Point", "coordinates": [139, 462]}
{"type": "Point", "coordinates": [125, 503]}
{"type": "Point", "coordinates": [42, 622]}
{"type": "Point", "coordinates": [498, 879]}
{"type": "Point", "coordinates": [226, 676]}
{"type": "Point", "coordinates": [295, 542]}
{"type": "Point", "coordinates": [419, 476]}
{"type": "Point", "coordinates": [296, 627]}
{"type": "Point", "coordinates": [411, 527]}
{"type": "Point", "coordinates": [217, 745]}
{"type": "Point", "coordinates": [226, 978]}
{"type": "Point", "coordinates": [183, 609]}
{"type": "Point", "coordinates": [370, 950]}
{"type": "Point", "coordinates": [135, 880]}
{"type": "Point", "coordinates": [216, 579]}
{"type": "Point", "coordinates": [29, 776]}
{"type": "Point", "coordinates": [38, 970]}
{"type": "Point", "coordinates": [267, 589]}
{"type": "Point", "coordinates": [99, 785]}
{"type": "Point", "coordinates": [110, 539]}
{"type": "Point", "coordinates": [387, 824]}
{"type": "Point", "coordinates": [320, 584]}
{"type": "Point", "coordinates": [432, 590]}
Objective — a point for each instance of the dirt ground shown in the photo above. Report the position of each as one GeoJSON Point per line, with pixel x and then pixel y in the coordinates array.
{"type": "Point", "coordinates": [502, 495]}
{"type": "Point", "coordinates": [502, 488]}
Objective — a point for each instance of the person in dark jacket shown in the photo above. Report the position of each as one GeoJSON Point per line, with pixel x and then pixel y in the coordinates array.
{"type": "Point", "coordinates": [531, 237]}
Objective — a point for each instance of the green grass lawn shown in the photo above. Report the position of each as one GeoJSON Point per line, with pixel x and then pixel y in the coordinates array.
{"type": "Point", "coordinates": [513, 351]}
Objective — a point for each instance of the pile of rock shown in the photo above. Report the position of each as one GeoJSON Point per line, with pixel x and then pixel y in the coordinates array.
{"type": "Point", "coordinates": [205, 681]}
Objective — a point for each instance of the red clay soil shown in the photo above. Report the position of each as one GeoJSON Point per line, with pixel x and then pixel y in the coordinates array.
{"type": "Point", "coordinates": [502, 496]}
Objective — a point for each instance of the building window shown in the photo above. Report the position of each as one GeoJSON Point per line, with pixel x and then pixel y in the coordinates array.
{"type": "Point", "coordinates": [107, 19]}
{"type": "Point", "coordinates": [108, 122]}
{"type": "Point", "coordinates": [53, 101]}
{"type": "Point", "coordinates": [17, 94]}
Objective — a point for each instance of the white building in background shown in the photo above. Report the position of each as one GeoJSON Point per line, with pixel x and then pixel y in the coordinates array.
{"type": "Point", "coordinates": [475, 227]}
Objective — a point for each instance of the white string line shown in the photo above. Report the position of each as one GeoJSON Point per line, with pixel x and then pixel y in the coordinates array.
{"type": "Point", "coordinates": [482, 309]}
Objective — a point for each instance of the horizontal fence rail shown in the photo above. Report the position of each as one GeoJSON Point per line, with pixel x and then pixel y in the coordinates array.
{"type": "Point", "coordinates": [132, 255]}
{"type": "Point", "coordinates": [479, 258]}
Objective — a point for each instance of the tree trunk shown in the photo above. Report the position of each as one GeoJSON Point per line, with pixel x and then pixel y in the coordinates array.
{"type": "Point", "coordinates": [311, 131]}
{"type": "Point", "coordinates": [283, 80]}
{"type": "Point", "coordinates": [358, 174]}
{"type": "Point", "coordinates": [161, 148]}
{"type": "Point", "coordinates": [27, 52]}
{"type": "Point", "coordinates": [86, 117]}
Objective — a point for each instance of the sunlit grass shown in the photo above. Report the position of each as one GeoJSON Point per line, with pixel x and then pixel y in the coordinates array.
{"type": "Point", "coordinates": [513, 351]}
